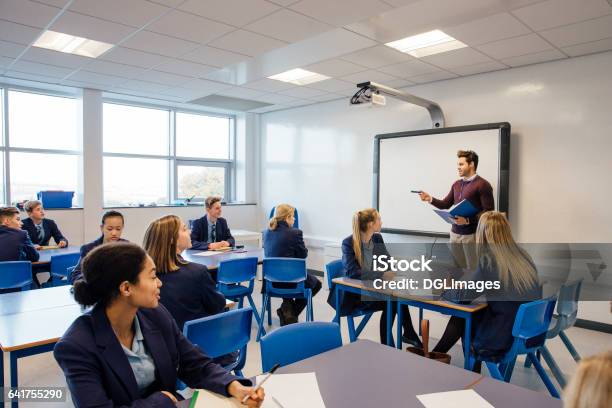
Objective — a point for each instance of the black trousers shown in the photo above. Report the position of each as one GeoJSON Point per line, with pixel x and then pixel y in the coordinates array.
{"type": "Point", "coordinates": [296, 306]}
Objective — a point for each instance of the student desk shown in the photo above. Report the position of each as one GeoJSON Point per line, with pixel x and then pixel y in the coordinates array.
{"type": "Point", "coordinates": [31, 322]}
{"type": "Point", "coordinates": [213, 261]}
{"type": "Point", "coordinates": [46, 254]}
{"type": "Point", "coordinates": [368, 374]}
{"type": "Point", "coordinates": [403, 298]}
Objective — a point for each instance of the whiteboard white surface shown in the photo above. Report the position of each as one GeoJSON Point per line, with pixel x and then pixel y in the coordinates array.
{"type": "Point", "coordinates": [429, 163]}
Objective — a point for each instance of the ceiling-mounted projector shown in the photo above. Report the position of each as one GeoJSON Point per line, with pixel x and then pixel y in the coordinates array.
{"type": "Point", "coordinates": [365, 97]}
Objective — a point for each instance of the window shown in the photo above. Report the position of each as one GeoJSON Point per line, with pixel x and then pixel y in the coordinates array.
{"type": "Point", "coordinates": [41, 150]}
{"type": "Point", "coordinates": [154, 155]}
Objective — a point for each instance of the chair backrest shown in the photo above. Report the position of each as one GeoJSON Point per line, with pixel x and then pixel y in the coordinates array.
{"type": "Point", "coordinates": [290, 270]}
{"type": "Point", "coordinates": [567, 303]}
{"type": "Point", "coordinates": [61, 263]}
{"type": "Point", "coordinates": [237, 270]}
{"type": "Point", "coordinates": [533, 318]}
{"type": "Point", "coordinates": [298, 341]}
{"type": "Point", "coordinates": [334, 269]}
{"type": "Point", "coordinates": [296, 215]}
{"type": "Point", "coordinates": [222, 333]}
{"type": "Point", "coordinates": [15, 274]}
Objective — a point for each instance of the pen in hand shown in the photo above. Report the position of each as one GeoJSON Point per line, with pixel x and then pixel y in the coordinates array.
{"type": "Point", "coordinates": [258, 386]}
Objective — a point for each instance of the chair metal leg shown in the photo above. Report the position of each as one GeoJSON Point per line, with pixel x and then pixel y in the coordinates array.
{"type": "Point", "coordinates": [494, 371]}
{"type": "Point", "coordinates": [554, 368]}
{"type": "Point", "coordinates": [508, 369]}
{"type": "Point", "coordinates": [420, 320]}
{"type": "Point", "coordinates": [269, 306]}
{"type": "Point", "coordinates": [362, 324]}
{"type": "Point", "coordinates": [261, 329]}
{"type": "Point", "coordinates": [350, 321]}
{"type": "Point", "coordinates": [542, 373]}
{"type": "Point", "coordinates": [241, 302]}
{"type": "Point", "coordinates": [569, 346]}
{"type": "Point", "coordinates": [255, 312]}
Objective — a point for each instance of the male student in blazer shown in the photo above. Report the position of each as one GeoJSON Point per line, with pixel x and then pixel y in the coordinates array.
{"type": "Point", "coordinates": [211, 231]}
{"type": "Point", "coordinates": [15, 244]}
{"type": "Point", "coordinates": [41, 229]}
{"type": "Point", "coordinates": [479, 193]}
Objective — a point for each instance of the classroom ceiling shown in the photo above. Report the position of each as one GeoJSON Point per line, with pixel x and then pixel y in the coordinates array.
{"type": "Point", "coordinates": [183, 50]}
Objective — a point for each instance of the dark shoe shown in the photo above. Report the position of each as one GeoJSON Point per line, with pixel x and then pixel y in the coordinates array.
{"type": "Point", "coordinates": [281, 316]}
{"type": "Point", "coordinates": [416, 342]}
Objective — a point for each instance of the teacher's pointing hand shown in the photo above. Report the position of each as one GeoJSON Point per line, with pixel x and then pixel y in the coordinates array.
{"type": "Point", "coordinates": [425, 196]}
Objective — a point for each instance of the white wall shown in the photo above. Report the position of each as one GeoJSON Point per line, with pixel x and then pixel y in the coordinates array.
{"type": "Point", "coordinates": [319, 157]}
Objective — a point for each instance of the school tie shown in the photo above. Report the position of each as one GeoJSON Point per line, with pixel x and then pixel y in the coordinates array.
{"type": "Point", "coordinates": [40, 232]}
{"type": "Point", "coordinates": [213, 233]}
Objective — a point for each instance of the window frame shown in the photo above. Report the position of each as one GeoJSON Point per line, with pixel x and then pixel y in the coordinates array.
{"type": "Point", "coordinates": [173, 160]}
{"type": "Point", "coordinates": [6, 148]}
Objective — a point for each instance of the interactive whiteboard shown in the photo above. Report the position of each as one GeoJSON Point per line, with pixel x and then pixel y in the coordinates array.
{"type": "Point", "coordinates": [427, 160]}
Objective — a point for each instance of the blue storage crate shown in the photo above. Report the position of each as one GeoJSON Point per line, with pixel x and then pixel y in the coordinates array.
{"type": "Point", "coordinates": [56, 199]}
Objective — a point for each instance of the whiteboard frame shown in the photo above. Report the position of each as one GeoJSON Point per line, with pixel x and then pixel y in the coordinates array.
{"type": "Point", "coordinates": [503, 189]}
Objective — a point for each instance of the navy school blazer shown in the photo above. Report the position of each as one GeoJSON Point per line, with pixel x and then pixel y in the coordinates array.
{"type": "Point", "coordinates": [98, 373]}
{"type": "Point", "coordinates": [199, 233]}
{"type": "Point", "coordinates": [352, 301]}
{"type": "Point", "coordinates": [15, 245]}
{"type": "Point", "coordinates": [85, 249]}
{"type": "Point", "coordinates": [50, 230]}
{"type": "Point", "coordinates": [190, 293]}
{"type": "Point", "coordinates": [284, 242]}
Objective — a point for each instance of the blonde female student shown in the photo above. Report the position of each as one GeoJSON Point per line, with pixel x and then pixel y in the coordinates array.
{"type": "Point", "coordinates": [499, 259]}
{"type": "Point", "coordinates": [591, 386]}
{"type": "Point", "coordinates": [358, 251]}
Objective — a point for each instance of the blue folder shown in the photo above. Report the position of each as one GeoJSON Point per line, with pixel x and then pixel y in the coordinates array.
{"type": "Point", "coordinates": [462, 209]}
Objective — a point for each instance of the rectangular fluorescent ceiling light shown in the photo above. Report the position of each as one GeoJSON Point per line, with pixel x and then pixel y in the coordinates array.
{"type": "Point", "coordinates": [71, 44]}
{"type": "Point", "coordinates": [299, 76]}
{"type": "Point", "coordinates": [429, 43]}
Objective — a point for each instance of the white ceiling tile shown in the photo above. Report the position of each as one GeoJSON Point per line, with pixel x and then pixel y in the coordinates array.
{"type": "Point", "coordinates": [332, 85]}
{"type": "Point", "coordinates": [431, 77]}
{"type": "Point", "coordinates": [399, 83]}
{"type": "Point", "coordinates": [265, 109]}
{"type": "Point", "coordinates": [513, 47]}
{"type": "Point", "coordinates": [275, 98]}
{"type": "Point", "coordinates": [340, 12]}
{"type": "Point", "coordinates": [88, 85]}
{"type": "Point", "coordinates": [114, 69]}
{"type": "Point", "coordinates": [91, 27]}
{"type": "Point", "coordinates": [235, 12]}
{"type": "Point", "coordinates": [10, 49]}
{"type": "Point", "coordinates": [135, 13]}
{"type": "Point", "coordinates": [186, 68]}
{"type": "Point", "coordinates": [164, 78]}
{"type": "Point", "coordinates": [136, 58]}
{"type": "Point", "coordinates": [96, 78]}
{"type": "Point", "coordinates": [288, 26]}
{"type": "Point", "coordinates": [142, 86]}
{"type": "Point", "coordinates": [488, 29]}
{"type": "Point", "coordinates": [40, 69]}
{"type": "Point", "coordinates": [247, 43]}
{"type": "Point", "coordinates": [326, 97]}
{"type": "Point", "coordinates": [377, 57]}
{"type": "Point", "coordinates": [32, 77]}
{"type": "Point", "coordinates": [51, 57]}
{"type": "Point", "coordinates": [5, 62]}
{"type": "Point", "coordinates": [479, 68]}
{"type": "Point", "coordinates": [240, 92]}
{"type": "Point", "coordinates": [534, 58]}
{"type": "Point", "coordinates": [204, 86]}
{"type": "Point", "coordinates": [18, 33]}
{"type": "Point", "coordinates": [159, 44]}
{"type": "Point", "coordinates": [214, 56]}
{"type": "Point", "coordinates": [370, 75]}
{"type": "Point", "coordinates": [588, 48]}
{"type": "Point", "coordinates": [335, 68]}
{"type": "Point", "coordinates": [586, 31]}
{"type": "Point", "coordinates": [302, 92]}
{"type": "Point", "coordinates": [269, 85]}
{"type": "Point", "coordinates": [409, 68]}
{"type": "Point", "coordinates": [554, 13]}
{"type": "Point", "coordinates": [457, 58]}
{"type": "Point", "coordinates": [189, 27]}
{"type": "Point", "coordinates": [27, 12]}
{"type": "Point", "coordinates": [183, 93]}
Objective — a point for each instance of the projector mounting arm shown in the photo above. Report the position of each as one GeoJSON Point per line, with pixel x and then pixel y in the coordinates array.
{"type": "Point", "coordinates": [437, 116]}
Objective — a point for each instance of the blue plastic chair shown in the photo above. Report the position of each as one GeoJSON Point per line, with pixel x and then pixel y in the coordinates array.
{"type": "Point", "coordinates": [298, 341]}
{"type": "Point", "coordinates": [61, 268]}
{"type": "Point", "coordinates": [532, 320]}
{"type": "Point", "coordinates": [222, 334]}
{"type": "Point", "coordinates": [231, 274]}
{"type": "Point", "coordinates": [284, 270]}
{"type": "Point", "coordinates": [296, 224]}
{"type": "Point", "coordinates": [567, 313]}
{"type": "Point", "coordinates": [335, 269]}
{"type": "Point", "coordinates": [15, 276]}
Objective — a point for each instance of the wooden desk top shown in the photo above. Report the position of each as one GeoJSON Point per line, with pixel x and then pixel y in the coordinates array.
{"type": "Point", "coordinates": [46, 254]}
{"type": "Point", "coordinates": [402, 294]}
{"type": "Point", "coordinates": [212, 261]}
